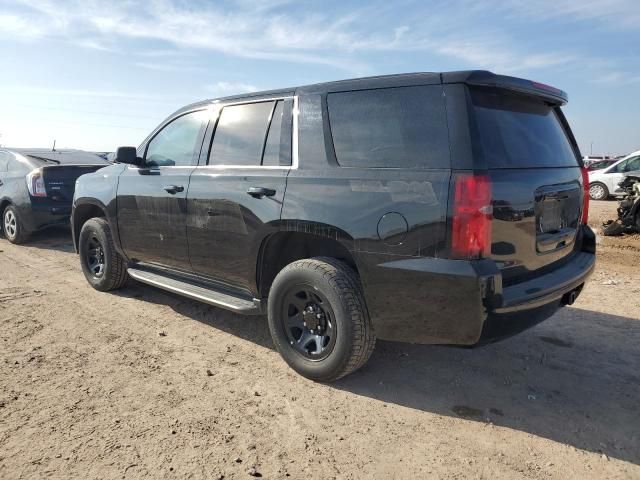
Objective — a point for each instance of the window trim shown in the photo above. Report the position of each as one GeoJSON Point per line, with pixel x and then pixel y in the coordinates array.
{"type": "Point", "coordinates": [294, 134]}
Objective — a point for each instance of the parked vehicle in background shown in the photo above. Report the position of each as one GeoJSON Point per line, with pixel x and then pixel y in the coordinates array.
{"type": "Point", "coordinates": [604, 183]}
{"type": "Point", "coordinates": [599, 165]}
{"type": "Point", "coordinates": [426, 208]}
{"type": "Point", "coordinates": [588, 160]}
{"type": "Point", "coordinates": [36, 187]}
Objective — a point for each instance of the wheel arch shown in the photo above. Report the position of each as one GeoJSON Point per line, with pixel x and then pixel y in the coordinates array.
{"type": "Point", "coordinates": [286, 246]}
{"type": "Point", "coordinates": [82, 212]}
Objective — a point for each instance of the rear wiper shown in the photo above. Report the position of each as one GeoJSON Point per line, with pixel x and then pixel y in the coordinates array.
{"type": "Point", "coordinates": [45, 159]}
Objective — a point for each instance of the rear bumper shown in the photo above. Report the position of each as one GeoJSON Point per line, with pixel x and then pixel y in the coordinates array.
{"type": "Point", "coordinates": [41, 216]}
{"type": "Point", "coordinates": [428, 300]}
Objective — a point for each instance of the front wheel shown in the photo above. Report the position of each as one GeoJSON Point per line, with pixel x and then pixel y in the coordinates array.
{"type": "Point", "coordinates": [318, 319]}
{"type": "Point", "coordinates": [101, 264]}
{"type": "Point", "coordinates": [598, 191]}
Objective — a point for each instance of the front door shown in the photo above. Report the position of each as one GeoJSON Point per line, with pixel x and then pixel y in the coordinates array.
{"type": "Point", "coordinates": [235, 200]}
{"type": "Point", "coordinates": [152, 208]}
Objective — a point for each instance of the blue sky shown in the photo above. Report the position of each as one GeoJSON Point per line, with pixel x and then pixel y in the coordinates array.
{"type": "Point", "coordinates": [98, 74]}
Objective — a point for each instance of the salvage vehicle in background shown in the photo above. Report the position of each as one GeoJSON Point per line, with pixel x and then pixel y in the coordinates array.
{"type": "Point", "coordinates": [604, 183]}
{"type": "Point", "coordinates": [628, 208]}
{"type": "Point", "coordinates": [36, 187]}
{"type": "Point", "coordinates": [442, 208]}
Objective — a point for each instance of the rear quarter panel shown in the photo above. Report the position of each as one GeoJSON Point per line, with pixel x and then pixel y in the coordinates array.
{"type": "Point", "coordinates": [350, 205]}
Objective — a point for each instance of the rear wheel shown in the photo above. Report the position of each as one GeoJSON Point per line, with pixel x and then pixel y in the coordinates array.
{"type": "Point", "coordinates": [12, 226]}
{"type": "Point", "coordinates": [318, 319]}
{"type": "Point", "coordinates": [598, 191]}
{"type": "Point", "coordinates": [102, 265]}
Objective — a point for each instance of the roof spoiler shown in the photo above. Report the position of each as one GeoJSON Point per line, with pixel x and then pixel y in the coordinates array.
{"type": "Point", "coordinates": [528, 87]}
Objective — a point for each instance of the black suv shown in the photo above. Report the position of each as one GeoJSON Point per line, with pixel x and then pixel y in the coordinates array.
{"type": "Point", "coordinates": [428, 208]}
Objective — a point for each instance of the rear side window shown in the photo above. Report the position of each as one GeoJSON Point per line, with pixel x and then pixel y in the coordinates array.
{"type": "Point", "coordinates": [404, 127]}
{"type": "Point", "coordinates": [520, 132]}
{"type": "Point", "coordinates": [271, 155]}
{"type": "Point", "coordinates": [240, 134]}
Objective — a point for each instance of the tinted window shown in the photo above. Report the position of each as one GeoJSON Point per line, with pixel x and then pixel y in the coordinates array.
{"type": "Point", "coordinates": [520, 132]}
{"type": "Point", "coordinates": [240, 134]}
{"type": "Point", "coordinates": [272, 147]}
{"type": "Point", "coordinates": [175, 145]}
{"type": "Point", "coordinates": [393, 127]}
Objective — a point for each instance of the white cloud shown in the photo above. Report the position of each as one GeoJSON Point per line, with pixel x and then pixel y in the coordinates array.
{"type": "Point", "coordinates": [264, 30]}
{"type": "Point", "coordinates": [617, 78]}
{"type": "Point", "coordinates": [231, 88]}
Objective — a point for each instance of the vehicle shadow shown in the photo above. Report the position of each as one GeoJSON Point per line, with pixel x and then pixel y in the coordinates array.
{"type": "Point", "coordinates": [52, 238]}
{"type": "Point", "coordinates": [573, 379]}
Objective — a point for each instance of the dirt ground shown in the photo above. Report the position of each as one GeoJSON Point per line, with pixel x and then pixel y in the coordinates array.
{"type": "Point", "coordinates": [143, 384]}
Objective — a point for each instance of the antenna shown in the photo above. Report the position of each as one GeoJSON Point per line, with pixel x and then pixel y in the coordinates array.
{"type": "Point", "coordinates": [53, 149]}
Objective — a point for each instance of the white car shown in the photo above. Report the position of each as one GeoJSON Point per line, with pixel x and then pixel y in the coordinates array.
{"type": "Point", "coordinates": [604, 183]}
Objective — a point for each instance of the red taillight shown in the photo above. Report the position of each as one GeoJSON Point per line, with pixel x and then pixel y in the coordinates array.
{"type": "Point", "coordinates": [585, 196]}
{"type": "Point", "coordinates": [35, 183]}
{"type": "Point", "coordinates": [472, 214]}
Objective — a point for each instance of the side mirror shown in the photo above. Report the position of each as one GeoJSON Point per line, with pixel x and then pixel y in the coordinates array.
{"type": "Point", "coordinates": [128, 155]}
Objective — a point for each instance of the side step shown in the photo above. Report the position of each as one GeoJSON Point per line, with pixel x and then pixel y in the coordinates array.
{"type": "Point", "coordinates": [196, 292]}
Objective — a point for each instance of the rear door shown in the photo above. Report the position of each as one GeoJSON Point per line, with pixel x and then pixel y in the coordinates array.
{"type": "Point", "coordinates": [533, 163]}
{"type": "Point", "coordinates": [235, 196]}
{"type": "Point", "coordinates": [151, 199]}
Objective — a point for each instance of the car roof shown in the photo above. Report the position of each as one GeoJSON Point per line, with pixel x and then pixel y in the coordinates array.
{"type": "Point", "coordinates": [44, 156]}
{"type": "Point", "coordinates": [471, 77]}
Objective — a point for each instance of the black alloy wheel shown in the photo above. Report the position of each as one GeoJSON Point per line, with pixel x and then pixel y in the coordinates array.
{"type": "Point", "coordinates": [95, 256]}
{"type": "Point", "coordinates": [308, 322]}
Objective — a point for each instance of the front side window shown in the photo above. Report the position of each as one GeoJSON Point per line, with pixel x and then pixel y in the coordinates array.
{"type": "Point", "coordinates": [240, 134]}
{"type": "Point", "coordinates": [402, 127]}
{"type": "Point", "coordinates": [176, 144]}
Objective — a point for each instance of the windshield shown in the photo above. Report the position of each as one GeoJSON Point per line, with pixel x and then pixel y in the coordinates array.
{"type": "Point", "coordinates": [520, 132]}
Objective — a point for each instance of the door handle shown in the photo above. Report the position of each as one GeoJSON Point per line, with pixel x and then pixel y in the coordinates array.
{"type": "Point", "coordinates": [259, 192]}
{"type": "Point", "coordinates": [173, 189]}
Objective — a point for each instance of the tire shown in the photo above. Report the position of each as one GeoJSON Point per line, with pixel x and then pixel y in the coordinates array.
{"type": "Point", "coordinates": [12, 226]}
{"type": "Point", "coordinates": [598, 191]}
{"type": "Point", "coordinates": [613, 229]}
{"type": "Point", "coordinates": [102, 265]}
{"type": "Point", "coordinates": [318, 319]}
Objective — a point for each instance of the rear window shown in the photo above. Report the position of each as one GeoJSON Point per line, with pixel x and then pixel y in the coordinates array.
{"type": "Point", "coordinates": [240, 135]}
{"type": "Point", "coordinates": [401, 127]}
{"type": "Point", "coordinates": [520, 132]}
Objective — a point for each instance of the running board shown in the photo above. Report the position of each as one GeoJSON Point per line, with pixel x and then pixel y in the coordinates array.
{"type": "Point", "coordinates": [196, 292]}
